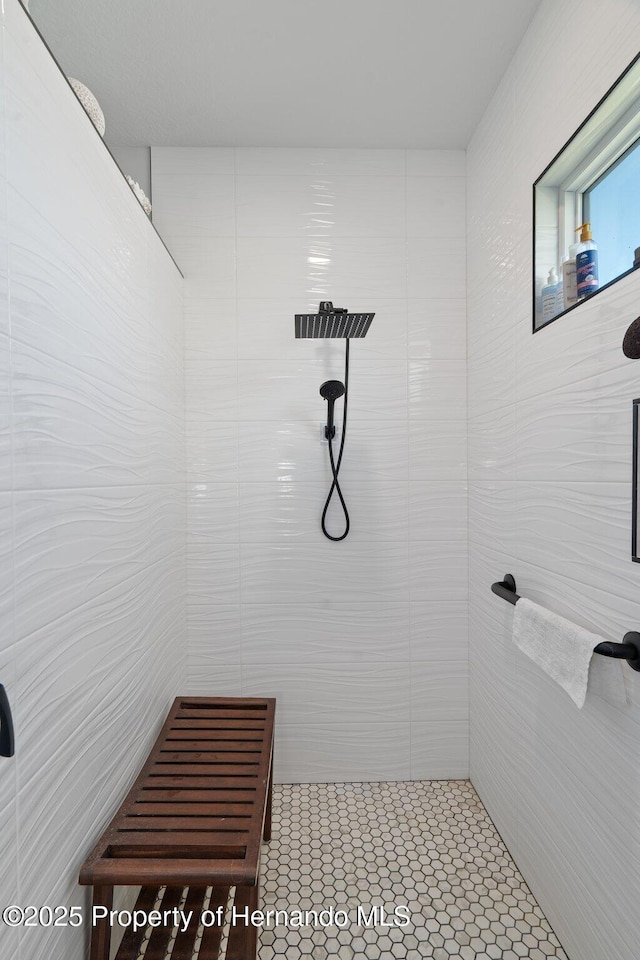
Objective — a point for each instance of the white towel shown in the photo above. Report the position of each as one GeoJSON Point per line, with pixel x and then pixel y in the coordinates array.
{"type": "Point", "coordinates": [560, 647]}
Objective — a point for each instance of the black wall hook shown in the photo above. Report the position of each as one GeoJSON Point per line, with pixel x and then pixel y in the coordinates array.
{"type": "Point", "coordinates": [629, 650]}
{"type": "Point", "coordinates": [7, 743]}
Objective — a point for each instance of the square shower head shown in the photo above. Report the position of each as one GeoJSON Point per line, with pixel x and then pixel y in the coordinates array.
{"type": "Point", "coordinates": [331, 325]}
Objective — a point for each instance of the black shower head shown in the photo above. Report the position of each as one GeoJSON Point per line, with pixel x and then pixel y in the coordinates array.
{"type": "Point", "coordinates": [331, 322]}
{"type": "Point", "coordinates": [331, 390]}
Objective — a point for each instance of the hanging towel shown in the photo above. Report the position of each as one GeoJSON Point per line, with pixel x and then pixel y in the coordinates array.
{"type": "Point", "coordinates": [560, 647]}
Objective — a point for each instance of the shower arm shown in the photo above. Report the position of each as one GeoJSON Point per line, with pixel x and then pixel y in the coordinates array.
{"type": "Point", "coordinates": [629, 650]}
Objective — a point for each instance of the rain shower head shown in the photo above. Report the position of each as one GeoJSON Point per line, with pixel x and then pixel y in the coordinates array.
{"type": "Point", "coordinates": [331, 322]}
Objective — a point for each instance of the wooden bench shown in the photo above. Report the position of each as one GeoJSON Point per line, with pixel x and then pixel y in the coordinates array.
{"type": "Point", "coordinates": [194, 819]}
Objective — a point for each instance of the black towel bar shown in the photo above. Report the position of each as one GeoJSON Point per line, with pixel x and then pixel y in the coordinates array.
{"type": "Point", "coordinates": [629, 650]}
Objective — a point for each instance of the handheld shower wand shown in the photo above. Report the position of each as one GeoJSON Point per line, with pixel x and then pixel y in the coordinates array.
{"type": "Point", "coordinates": [331, 390]}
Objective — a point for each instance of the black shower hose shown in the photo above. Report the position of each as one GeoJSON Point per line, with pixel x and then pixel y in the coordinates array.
{"type": "Point", "coordinates": [335, 468]}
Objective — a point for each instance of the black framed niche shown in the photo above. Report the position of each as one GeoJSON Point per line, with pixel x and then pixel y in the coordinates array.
{"type": "Point", "coordinates": [590, 179]}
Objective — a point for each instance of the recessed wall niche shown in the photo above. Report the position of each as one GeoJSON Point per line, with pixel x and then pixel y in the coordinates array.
{"type": "Point", "coordinates": [592, 180]}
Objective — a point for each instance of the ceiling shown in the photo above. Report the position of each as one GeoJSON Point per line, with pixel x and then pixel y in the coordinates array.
{"type": "Point", "coordinates": [337, 73]}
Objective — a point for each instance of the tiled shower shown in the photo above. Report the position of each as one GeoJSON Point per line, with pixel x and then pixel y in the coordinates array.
{"type": "Point", "coordinates": [364, 642]}
{"type": "Point", "coordinates": [163, 473]}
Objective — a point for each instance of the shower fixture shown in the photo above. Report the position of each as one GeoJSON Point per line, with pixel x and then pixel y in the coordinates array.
{"type": "Point", "coordinates": [331, 323]}
{"type": "Point", "coordinates": [331, 390]}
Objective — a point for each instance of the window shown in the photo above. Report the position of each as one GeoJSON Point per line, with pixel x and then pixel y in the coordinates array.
{"type": "Point", "coordinates": [612, 206]}
{"type": "Point", "coordinates": [595, 178]}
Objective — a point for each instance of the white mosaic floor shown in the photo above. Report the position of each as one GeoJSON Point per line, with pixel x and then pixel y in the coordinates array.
{"type": "Point", "coordinates": [427, 847]}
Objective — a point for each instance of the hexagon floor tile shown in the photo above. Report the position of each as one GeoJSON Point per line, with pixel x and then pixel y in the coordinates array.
{"type": "Point", "coordinates": [427, 850]}
{"type": "Point", "coordinates": [392, 871]}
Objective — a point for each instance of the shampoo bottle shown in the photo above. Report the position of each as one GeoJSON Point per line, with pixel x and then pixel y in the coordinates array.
{"type": "Point", "coordinates": [549, 296]}
{"type": "Point", "coordinates": [586, 262]}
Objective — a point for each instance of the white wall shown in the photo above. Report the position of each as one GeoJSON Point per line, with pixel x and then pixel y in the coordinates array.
{"type": "Point", "coordinates": [363, 642]}
{"type": "Point", "coordinates": [92, 499]}
{"type": "Point", "coordinates": [550, 501]}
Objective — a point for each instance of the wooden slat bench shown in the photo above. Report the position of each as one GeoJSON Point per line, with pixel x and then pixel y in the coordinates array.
{"type": "Point", "coordinates": [193, 820]}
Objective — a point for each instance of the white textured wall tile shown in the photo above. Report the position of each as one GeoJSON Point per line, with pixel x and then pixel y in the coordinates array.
{"type": "Point", "coordinates": [437, 390]}
{"type": "Point", "coordinates": [319, 161]}
{"type": "Point", "coordinates": [197, 204]}
{"type": "Point", "coordinates": [272, 512]}
{"type": "Point", "coordinates": [550, 467]}
{"type": "Point", "coordinates": [438, 450]}
{"type": "Point", "coordinates": [437, 511]}
{"type": "Point", "coordinates": [565, 527]}
{"type": "Point", "coordinates": [575, 429]}
{"type": "Point", "coordinates": [320, 693]}
{"type": "Point", "coordinates": [220, 680]}
{"type": "Point", "coordinates": [211, 392]}
{"type": "Point", "coordinates": [210, 330]}
{"type": "Point", "coordinates": [6, 472]}
{"type": "Point", "coordinates": [440, 750]}
{"type": "Point", "coordinates": [321, 206]}
{"type": "Point", "coordinates": [208, 265]}
{"type": "Point", "coordinates": [330, 753]}
{"type": "Point", "coordinates": [492, 379]}
{"type": "Point", "coordinates": [493, 516]}
{"type": "Point", "coordinates": [439, 691]}
{"type": "Point", "coordinates": [312, 225]}
{"type": "Point", "coordinates": [313, 571]}
{"type": "Point", "coordinates": [439, 631]}
{"type": "Point", "coordinates": [212, 450]}
{"type": "Point", "coordinates": [339, 631]}
{"type": "Point", "coordinates": [71, 429]}
{"type": "Point", "coordinates": [213, 513]}
{"type": "Point", "coordinates": [75, 543]}
{"type": "Point", "coordinates": [215, 637]}
{"type": "Point", "coordinates": [214, 574]}
{"type": "Point", "coordinates": [436, 268]}
{"type": "Point", "coordinates": [8, 774]}
{"type": "Point", "coordinates": [438, 570]}
{"type": "Point", "coordinates": [493, 440]}
{"type": "Point", "coordinates": [436, 207]}
{"type": "Point", "coordinates": [438, 329]}
{"type": "Point", "coordinates": [323, 269]}
{"type": "Point", "coordinates": [296, 451]}
{"type": "Point", "coordinates": [98, 507]}
{"type": "Point", "coordinates": [182, 163]}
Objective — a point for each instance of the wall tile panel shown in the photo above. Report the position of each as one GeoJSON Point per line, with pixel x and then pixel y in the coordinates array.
{"type": "Point", "coordinates": [92, 482]}
{"type": "Point", "coordinates": [269, 596]}
{"type": "Point", "coordinates": [550, 501]}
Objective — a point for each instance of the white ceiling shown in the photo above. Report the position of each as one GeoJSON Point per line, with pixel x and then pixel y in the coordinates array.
{"type": "Point", "coordinates": [339, 73]}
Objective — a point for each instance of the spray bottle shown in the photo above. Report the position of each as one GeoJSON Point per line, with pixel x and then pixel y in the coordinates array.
{"type": "Point", "coordinates": [586, 262]}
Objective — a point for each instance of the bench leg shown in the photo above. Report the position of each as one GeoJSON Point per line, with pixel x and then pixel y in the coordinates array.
{"type": "Point", "coordinates": [243, 939]}
{"type": "Point", "coordinates": [267, 817]}
{"type": "Point", "coordinates": [101, 932]}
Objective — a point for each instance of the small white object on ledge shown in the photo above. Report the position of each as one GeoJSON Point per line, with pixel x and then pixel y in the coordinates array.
{"type": "Point", "coordinates": [90, 104]}
{"type": "Point", "coordinates": [145, 203]}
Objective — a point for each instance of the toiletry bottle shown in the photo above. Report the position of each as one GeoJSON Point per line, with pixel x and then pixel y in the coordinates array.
{"type": "Point", "coordinates": [549, 296]}
{"type": "Point", "coordinates": [569, 277]}
{"type": "Point", "coordinates": [559, 295]}
{"type": "Point", "coordinates": [586, 262]}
